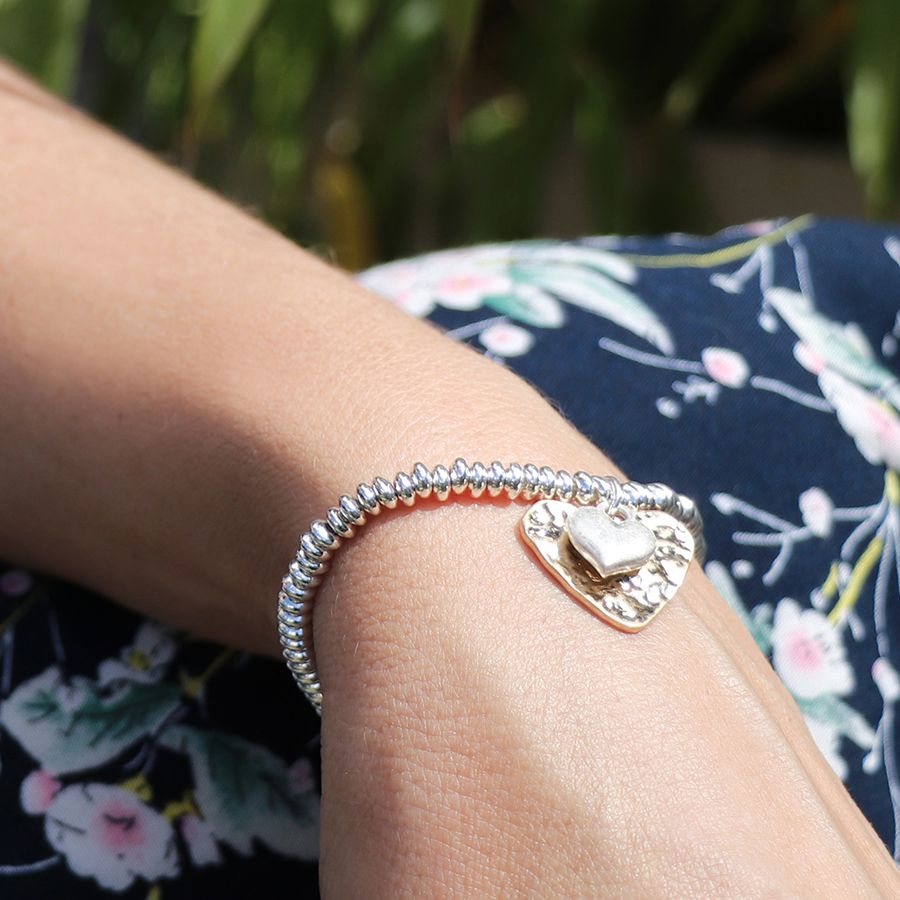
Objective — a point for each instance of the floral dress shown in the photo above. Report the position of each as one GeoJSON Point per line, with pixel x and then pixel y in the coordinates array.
{"type": "Point", "coordinates": [763, 361]}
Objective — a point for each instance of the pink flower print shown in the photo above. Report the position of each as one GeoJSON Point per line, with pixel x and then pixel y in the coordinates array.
{"type": "Point", "coordinates": [15, 583]}
{"type": "Point", "coordinates": [725, 366]}
{"type": "Point", "coordinates": [105, 832]}
{"type": "Point", "coordinates": [817, 511]}
{"type": "Point", "coordinates": [809, 358]}
{"type": "Point", "coordinates": [808, 653]}
{"type": "Point", "coordinates": [401, 283]}
{"type": "Point", "coordinates": [758, 227]}
{"type": "Point", "coordinates": [466, 290]}
{"type": "Point", "coordinates": [870, 421]}
{"type": "Point", "coordinates": [37, 792]}
{"type": "Point", "coordinates": [506, 339]}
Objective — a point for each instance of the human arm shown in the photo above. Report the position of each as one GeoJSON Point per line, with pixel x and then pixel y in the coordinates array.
{"type": "Point", "coordinates": [184, 390]}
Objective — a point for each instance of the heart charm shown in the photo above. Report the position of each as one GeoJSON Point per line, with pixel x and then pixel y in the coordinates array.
{"type": "Point", "coordinates": [610, 546]}
{"type": "Point", "coordinates": [618, 572]}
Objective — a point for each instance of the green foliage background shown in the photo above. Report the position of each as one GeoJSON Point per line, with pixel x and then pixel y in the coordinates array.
{"type": "Point", "coordinates": [374, 128]}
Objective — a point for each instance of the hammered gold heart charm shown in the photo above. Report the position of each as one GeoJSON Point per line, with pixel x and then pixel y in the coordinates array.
{"type": "Point", "coordinates": [623, 567]}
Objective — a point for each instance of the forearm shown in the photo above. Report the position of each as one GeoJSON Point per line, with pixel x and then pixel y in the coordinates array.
{"type": "Point", "coordinates": [184, 389]}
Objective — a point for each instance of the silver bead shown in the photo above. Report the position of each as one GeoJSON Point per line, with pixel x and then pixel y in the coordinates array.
{"type": "Point", "coordinates": [307, 564]}
{"type": "Point", "coordinates": [565, 487]}
{"type": "Point", "coordinates": [324, 536]}
{"type": "Point", "coordinates": [421, 477]}
{"type": "Point", "coordinates": [294, 591]}
{"type": "Point", "coordinates": [293, 620]}
{"type": "Point", "coordinates": [301, 576]}
{"type": "Point", "coordinates": [514, 480]}
{"type": "Point", "coordinates": [440, 480]}
{"type": "Point", "coordinates": [459, 475]}
{"type": "Point", "coordinates": [531, 480]}
{"type": "Point", "coordinates": [404, 489]}
{"type": "Point", "coordinates": [496, 478]}
{"type": "Point", "coordinates": [351, 511]}
{"type": "Point", "coordinates": [632, 493]}
{"type": "Point", "coordinates": [585, 490]}
{"type": "Point", "coordinates": [310, 547]}
{"type": "Point", "coordinates": [477, 479]}
{"type": "Point", "coordinates": [384, 491]}
{"type": "Point", "coordinates": [293, 605]}
{"type": "Point", "coordinates": [368, 499]}
{"type": "Point", "coordinates": [547, 482]}
{"type": "Point", "coordinates": [338, 523]}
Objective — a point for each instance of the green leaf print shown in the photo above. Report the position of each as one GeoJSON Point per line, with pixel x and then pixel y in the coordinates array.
{"type": "Point", "coordinates": [835, 713]}
{"type": "Point", "coordinates": [593, 291]}
{"type": "Point", "coordinates": [70, 726]}
{"type": "Point", "coordinates": [530, 307]}
{"type": "Point", "coordinates": [244, 792]}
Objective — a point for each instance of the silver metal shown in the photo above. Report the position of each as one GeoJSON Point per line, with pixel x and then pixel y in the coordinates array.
{"type": "Point", "coordinates": [422, 480]}
{"type": "Point", "coordinates": [496, 478]}
{"type": "Point", "coordinates": [340, 523]}
{"type": "Point", "coordinates": [404, 488]}
{"type": "Point", "coordinates": [440, 479]}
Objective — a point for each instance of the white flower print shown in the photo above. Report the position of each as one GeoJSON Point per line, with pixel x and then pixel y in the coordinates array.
{"type": "Point", "coordinates": [808, 653]}
{"type": "Point", "coordinates": [828, 740]}
{"type": "Point", "coordinates": [200, 840]}
{"type": "Point", "coordinates": [145, 661]}
{"type": "Point", "coordinates": [107, 833]}
{"type": "Point", "coordinates": [809, 656]}
{"type": "Point", "coordinates": [506, 339]}
{"type": "Point", "coordinates": [529, 281]}
{"type": "Point", "coordinates": [817, 511]}
{"type": "Point", "coordinates": [726, 366]}
{"type": "Point", "coordinates": [871, 422]}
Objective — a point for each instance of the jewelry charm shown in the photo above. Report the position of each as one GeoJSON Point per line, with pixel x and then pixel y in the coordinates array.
{"type": "Point", "coordinates": [624, 567]}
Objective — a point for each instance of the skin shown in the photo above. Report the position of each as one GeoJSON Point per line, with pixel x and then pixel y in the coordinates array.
{"type": "Point", "coordinates": [184, 390]}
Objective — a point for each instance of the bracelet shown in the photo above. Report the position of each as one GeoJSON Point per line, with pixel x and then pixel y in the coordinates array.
{"type": "Point", "coordinates": [621, 548]}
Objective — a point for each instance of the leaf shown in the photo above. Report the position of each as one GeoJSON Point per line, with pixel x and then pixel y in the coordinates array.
{"type": "Point", "coordinates": [70, 726]}
{"type": "Point", "coordinates": [595, 292]}
{"type": "Point", "coordinates": [244, 792]}
{"type": "Point", "coordinates": [223, 30]}
{"type": "Point", "coordinates": [44, 37]}
{"type": "Point", "coordinates": [873, 102]}
{"type": "Point", "coordinates": [460, 19]}
{"type": "Point", "coordinates": [528, 305]}
{"type": "Point", "coordinates": [835, 713]}
{"type": "Point", "coordinates": [350, 17]}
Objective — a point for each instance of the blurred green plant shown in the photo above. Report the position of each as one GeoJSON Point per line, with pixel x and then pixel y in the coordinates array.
{"type": "Point", "coordinates": [373, 128]}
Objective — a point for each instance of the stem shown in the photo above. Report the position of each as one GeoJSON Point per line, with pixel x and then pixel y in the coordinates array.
{"type": "Point", "coordinates": [10, 621]}
{"type": "Point", "coordinates": [193, 686]}
{"type": "Point", "coordinates": [719, 257]}
{"type": "Point", "coordinates": [30, 868]}
{"type": "Point", "coordinates": [858, 577]}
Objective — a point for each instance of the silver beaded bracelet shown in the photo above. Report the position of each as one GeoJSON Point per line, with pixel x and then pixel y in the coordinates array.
{"type": "Point", "coordinates": [621, 548]}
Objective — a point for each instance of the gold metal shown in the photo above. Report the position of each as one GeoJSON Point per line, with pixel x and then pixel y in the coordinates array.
{"type": "Point", "coordinates": [628, 601]}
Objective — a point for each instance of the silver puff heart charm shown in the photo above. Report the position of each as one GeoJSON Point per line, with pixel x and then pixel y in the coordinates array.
{"type": "Point", "coordinates": [623, 567]}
